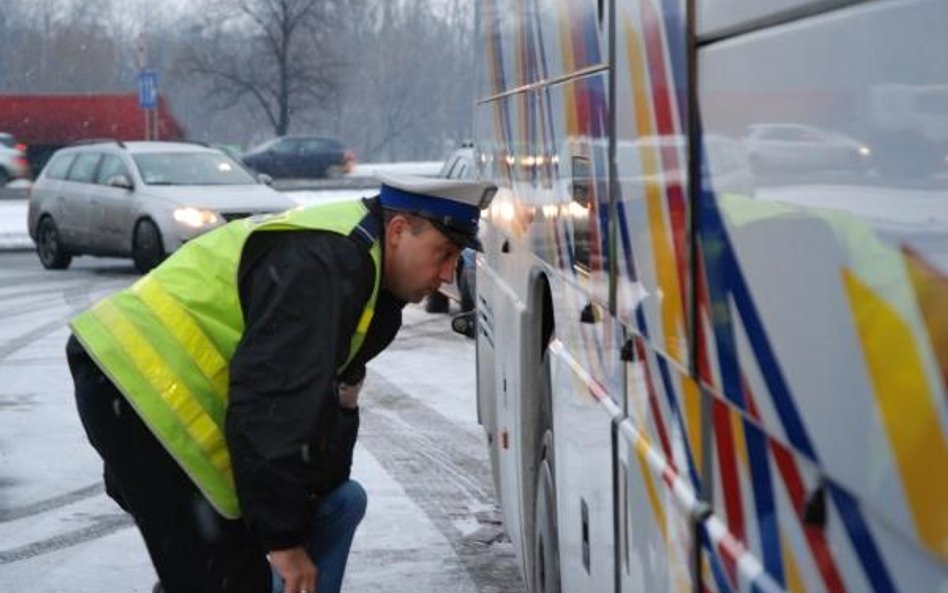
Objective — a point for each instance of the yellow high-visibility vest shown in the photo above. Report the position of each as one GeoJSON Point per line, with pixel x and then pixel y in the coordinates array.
{"type": "Point", "coordinates": [166, 341]}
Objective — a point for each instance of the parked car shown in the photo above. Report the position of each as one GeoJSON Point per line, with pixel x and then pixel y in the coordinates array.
{"type": "Point", "coordinates": [138, 199]}
{"type": "Point", "coordinates": [779, 149]}
{"type": "Point", "coordinates": [9, 140]}
{"type": "Point", "coordinates": [301, 157]}
{"type": "Point", "coordinates": [13, 164]}
{"type": "Point", "coordinates": [459, 165]}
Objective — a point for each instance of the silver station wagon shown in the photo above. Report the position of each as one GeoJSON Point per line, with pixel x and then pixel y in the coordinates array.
{"type": "Point", "coordinates": [138, 199]}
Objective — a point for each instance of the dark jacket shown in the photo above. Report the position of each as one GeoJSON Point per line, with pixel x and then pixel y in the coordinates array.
{"type": "Point", "coordinates": [302, 294]}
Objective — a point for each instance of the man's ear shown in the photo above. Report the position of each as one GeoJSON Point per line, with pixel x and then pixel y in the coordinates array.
{"type": "Point", "coordinates": [396, 226]}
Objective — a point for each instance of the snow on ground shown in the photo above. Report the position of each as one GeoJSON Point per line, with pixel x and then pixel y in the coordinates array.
{"type": "Point", "coordinates": [13, 234]}
{"type": "Point", "coordinates": [430, 168]}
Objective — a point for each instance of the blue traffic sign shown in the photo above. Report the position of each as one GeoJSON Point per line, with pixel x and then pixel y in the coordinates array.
{"type": "Point", "coordinates": [148, 89]}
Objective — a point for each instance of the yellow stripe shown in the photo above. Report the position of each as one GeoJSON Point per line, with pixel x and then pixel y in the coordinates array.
{"type": "Point", "coordinates": [692, 400]}
{"type": "Point", "coordinates": [186, 332]}
{"type": "Point", "coordinates": [643, 115]}
{"type": "Point", "coordinates": [665, 265]}
{"type": "Point", "coordinates": [931, 289]}
{"type": "Point", "coordinates": [569, 65]}
{"type": "Point", "coordinates": [641, 451]}
{"type": "Point", "coordinates": [907, 411]}
{"type": "Point", "coordinates": [175, 394]}
{"type": "Point", "coordinates": [740, 440]}
{"type": "Point", "coordinates": [791, 570]}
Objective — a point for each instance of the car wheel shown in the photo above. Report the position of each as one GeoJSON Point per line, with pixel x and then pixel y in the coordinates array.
{"type": "Point", "coordinates": [147, 250]}
{"type": "Point", "coordinates": [4, 177]}
{"type": "Point", "coordinates": [49, 246]}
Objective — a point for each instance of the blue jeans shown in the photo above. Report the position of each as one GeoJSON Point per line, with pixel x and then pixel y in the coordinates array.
{"type": "Point", "coordinates": [337, 517]}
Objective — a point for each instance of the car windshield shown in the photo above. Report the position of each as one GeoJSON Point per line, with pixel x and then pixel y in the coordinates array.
{"type": "Point", "coordinates": [190, 168]}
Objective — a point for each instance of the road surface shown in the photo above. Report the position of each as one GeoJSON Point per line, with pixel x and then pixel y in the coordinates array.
{"type": "Point", "coordinates": [432, 524]}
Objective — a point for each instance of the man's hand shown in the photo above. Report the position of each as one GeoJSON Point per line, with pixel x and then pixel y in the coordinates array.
{"type": "Point", "coordinates": [297, 570]}
{"type": "Point", "coordinates": [349, 395]}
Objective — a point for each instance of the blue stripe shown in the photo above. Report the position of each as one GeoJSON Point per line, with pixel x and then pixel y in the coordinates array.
{"type": "Point", "coordinates": [640, 320]}
{"type": "Point", "coordinates": [597, 101]}
{"type": "Point", "coordinates": [767, 521]}
{"type": "Point", "coordinates": [570, 244]}
{"type": "Point", "coordinates": [716, 249]}
{"type": "Point", "coordinates": [626, 238]}
{"type": "Point", "coordinates": [721, 263]}
{"type": "Point", "coordinates": [590, 35]}
{"type": "Point", "coordinates": [674, 22]}
{"type": "Point", "coordinates": [720, 577]}
{"type": "Point", "coordinates": [541, 55]}
{"type": "Point", "coordinates": [872, 561]}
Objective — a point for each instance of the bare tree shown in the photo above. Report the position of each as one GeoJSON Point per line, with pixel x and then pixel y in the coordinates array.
{"type": "Point", "coordinates": [408, 84]}
{"type": "Point", "coordinates": [277, 54]}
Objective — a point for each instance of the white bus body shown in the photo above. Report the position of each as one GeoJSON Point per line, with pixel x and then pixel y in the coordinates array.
{"type": "Point", "coordinates": [713, 302]}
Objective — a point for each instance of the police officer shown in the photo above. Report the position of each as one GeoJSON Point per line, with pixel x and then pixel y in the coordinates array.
{"type": "Point", "coordinates": [221, 389]}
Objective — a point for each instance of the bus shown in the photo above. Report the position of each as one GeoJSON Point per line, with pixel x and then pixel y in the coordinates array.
{"type": "Point", "coordinates": [712, 305]}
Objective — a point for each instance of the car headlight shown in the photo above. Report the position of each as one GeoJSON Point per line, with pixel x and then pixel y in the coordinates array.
{"type": "Point", "coordinates": [195, 217]}
{"type": "Point", "coordinates": [865, 150]}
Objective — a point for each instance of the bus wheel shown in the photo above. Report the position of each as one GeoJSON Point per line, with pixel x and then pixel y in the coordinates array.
{"type": "Point", "coordinates": [546, 552]}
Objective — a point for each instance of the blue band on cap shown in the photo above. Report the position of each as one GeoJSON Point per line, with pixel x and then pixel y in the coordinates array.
{"type": "Point", "coordinates": [452, 214]}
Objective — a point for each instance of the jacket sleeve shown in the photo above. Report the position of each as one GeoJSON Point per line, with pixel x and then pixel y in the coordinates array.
{"type": "Point", "coordinates": [302, 294]}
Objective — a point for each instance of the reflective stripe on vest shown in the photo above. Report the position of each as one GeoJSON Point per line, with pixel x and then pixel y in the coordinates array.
{"type": "Point", "coordinates": [166, 341]}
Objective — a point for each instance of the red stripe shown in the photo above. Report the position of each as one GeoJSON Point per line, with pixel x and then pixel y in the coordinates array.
{"type": "Point", "coordinates": [704, 308]}
{"type": "Point", "coordinates": [727, 461]}
{"type": "Point", "coordinates": [814, 535]}
{"type": "Point", "coordinates": [597, 389]}
{"type": "Point", "coordinates": [522, 71]}
{"type": "Point", "coordinates": [797, 490]}
{"type": "Point", "coordinates": [662, 100]}
{"type": "Point", "coordinates": [729, 550]}
{"type": "Point", "coordinates": [749, 399]}
{"type": "Point", "coordinates": [653, 405]}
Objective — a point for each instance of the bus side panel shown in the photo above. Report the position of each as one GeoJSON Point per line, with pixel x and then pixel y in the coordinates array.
{"type": "Point", "coordinates": [823, 291]}
{"type": "Point", "coordinates": [526, 41]}
{"type": "Point", "coordinates": [660, 450]}
{"type": "Point", "coordinates": [586, 374]}
{"type": "Point", "coordinates": [657, 536]}
{"type": "Point", "coordinates": [779, 525]}
{"type": "Point", "coordinates": [652, 167]}
{"type": "Point", "coordinates": [502, 316]}
{"type": "Point", "coordinates": [716, 17]}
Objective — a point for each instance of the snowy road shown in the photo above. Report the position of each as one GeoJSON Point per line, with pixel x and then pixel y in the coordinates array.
{"type": "Point", "coordinates": [431, 520]}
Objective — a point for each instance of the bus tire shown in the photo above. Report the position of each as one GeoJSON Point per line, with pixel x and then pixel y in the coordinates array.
{"type": "Point", "coordinates": [546, 553]}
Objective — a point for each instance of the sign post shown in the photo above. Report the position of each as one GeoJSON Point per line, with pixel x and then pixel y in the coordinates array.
{"type": "Point", "coordinates": [148, 101]}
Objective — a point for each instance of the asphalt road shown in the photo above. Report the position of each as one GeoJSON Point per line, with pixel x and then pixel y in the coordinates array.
{"type": "Point", "coordinates": [432, 524]}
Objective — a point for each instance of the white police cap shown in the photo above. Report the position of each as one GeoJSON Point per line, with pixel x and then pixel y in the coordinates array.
{"type": "Point", "coordinates": [452, 205]}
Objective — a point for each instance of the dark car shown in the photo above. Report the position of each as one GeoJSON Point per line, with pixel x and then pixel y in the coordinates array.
{"type": "Point", "coordinates": [300, 157]}
{"type": "Point", "coordinates": [460, 165]}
